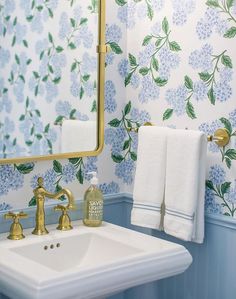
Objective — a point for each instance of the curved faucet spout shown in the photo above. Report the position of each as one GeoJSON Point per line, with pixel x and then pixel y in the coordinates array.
{"type": "Point", "coordinates": [40, 193]}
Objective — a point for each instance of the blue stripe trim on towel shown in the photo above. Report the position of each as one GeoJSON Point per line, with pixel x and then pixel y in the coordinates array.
{"type": "Point", "coordinates": [179, 214]}
{"type": "Point", "coordinates": [146, 207]}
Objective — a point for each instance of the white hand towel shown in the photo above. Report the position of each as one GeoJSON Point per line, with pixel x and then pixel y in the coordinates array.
{"type": "Point", "coordinates": [185, 185]}
{"type": "Point", "coordinates": [150, 177]}
{"type": "Point", "coordinates": [78, 136]}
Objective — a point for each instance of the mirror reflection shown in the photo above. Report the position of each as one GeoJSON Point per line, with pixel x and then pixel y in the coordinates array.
{"type": "Point", "coordinates": [48, 77]}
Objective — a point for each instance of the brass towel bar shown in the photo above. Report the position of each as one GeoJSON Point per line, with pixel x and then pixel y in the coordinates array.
{"type": "Point", "coordinates": [221, 136]}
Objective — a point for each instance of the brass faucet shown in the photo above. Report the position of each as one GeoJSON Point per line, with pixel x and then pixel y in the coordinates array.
{"type": "Point", "coordinates": [40, 193]}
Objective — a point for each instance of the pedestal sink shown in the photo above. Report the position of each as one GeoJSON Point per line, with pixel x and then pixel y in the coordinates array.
{"type": "Point", "coordinates": [85, 263]}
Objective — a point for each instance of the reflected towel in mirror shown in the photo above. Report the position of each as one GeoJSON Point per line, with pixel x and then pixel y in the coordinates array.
{"type": "Point", "coordinates": [78, 136]}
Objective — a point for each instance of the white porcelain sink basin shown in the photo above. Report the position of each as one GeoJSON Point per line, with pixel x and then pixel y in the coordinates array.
{"type": "Point", "coordinates": [85, 262]}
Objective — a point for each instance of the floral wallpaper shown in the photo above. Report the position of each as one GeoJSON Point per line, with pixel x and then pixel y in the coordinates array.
{"type": "Point", "coordinates": [172, 63]}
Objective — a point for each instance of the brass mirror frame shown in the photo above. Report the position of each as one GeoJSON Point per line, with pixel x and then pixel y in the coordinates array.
{"type": "Point", "coordinates": [102, 49]}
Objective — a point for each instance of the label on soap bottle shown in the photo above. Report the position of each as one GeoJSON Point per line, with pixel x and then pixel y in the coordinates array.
{"type": "Point", "coordinates": [95, 210]}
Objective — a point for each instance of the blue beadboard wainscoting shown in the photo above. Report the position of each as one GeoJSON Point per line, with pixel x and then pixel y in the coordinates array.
{"type": "Point", "coordinates": [212, 274]}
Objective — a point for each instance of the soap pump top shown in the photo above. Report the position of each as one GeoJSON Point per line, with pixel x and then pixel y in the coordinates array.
{"type": "Point", "coordinates": [94, 179]}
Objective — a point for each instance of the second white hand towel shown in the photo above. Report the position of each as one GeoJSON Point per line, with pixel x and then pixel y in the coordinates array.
{"type": "Point", "coordinates": [185, 185]}
{"type": "Point", "coordinates": [149, 181]}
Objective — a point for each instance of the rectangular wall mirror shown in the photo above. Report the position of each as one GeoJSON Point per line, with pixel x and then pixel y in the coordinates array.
{"type": "Point", "coordinates": [52, 64]}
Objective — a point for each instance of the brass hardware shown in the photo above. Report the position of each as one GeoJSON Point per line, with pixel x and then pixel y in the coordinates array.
{"type": "Point", "coordinates": [16, 230]}
{"type": "Point", "coordinates": [136, 129]}
{"type": "Point", "coordinates": [64, 220]}
{"type": "Point", "coordinates": [100, 104]}
{"type": "Point", "coordinates": [221, 136]}
{"type": "Point", "coordinates": [103, 49]}
{"type": "Point", "coordinates": [40, 193]}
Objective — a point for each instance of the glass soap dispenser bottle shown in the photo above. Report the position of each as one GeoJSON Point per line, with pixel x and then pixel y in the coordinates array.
{"type": "Point", "coordinates": [93, 203]}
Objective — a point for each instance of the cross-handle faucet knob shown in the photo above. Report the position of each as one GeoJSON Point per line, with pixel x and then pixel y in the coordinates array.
{"type": "Point", "coordinates": [64, 220]}
{"type": "Point", "coordinates": [16, 229]}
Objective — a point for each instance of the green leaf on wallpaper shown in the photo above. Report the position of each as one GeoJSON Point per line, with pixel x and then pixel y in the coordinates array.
{"type": "Point", "coordinates": [114, 123]}
{"type": "Point", "coordinates": [86, 77]}
{"type": "Point", "coordinates": [160, 82]}
{"type": "Point", "coordinates": [212, 3]}
{"type": "Point", "coordinates": [79, 176]}
{"type": "Point", "coordinates": [13, 41]}
{"type": "Point", "coordinates": [45, 78]}
{"type": "Point", "coordinates": [73, 22]}
{"type": "Point", "coordinates": [230, 33]}
{"type": "Point", "coordinates": [132, 60]}
{"type": "Point", "coordinates": [155, 63]}
{"type": "Point", "coordinates": [227, 124]}
{"type": "Point", "coordinates": [133, 156]}
{"type": "Point", "coordinates": [46, 129]}
{"type": "Point", "coordinates": [28, 62]}
{"type": "Point", "coordinates": [83, 21]}
{"type": "Point", "coordinates": [72, 46]}
{"type": "Point", "coordinates": [121, 2]}
{"type": "Point", "coordinates": [59, 120]}
{"type": "Point", "coordinates": [56, 80]}
{"type": "Point", "coordinates": [41, 55]}
{"type": "Point", "coordinates": [25, 168]}
{"type": "Point", "coordinates": [174, 46]}
{"type": "Point", "coordinates": [39, 7]}
{"type": "Point", "coordinates": [167, 114]}
{"type": "Point", "coordinates": [39, 136]}
{"type": "Point", "coordinates": [25, 43]}
{"type": "Point", "coordinates": [59, 49]}
{"type": "Point", "coordinates": [126, 145]}
{"type": "Point", "coordinates": [128, 78]}
{"type": "Point", "coordinates": [36, 75]}
{"type": "Point", "coordinates": [50, 37]}
{"type": "Point", "coordinates": [117, 158]}
{"type": "Point", "coordinates": [22, 78]}
{"type": "Point", "coordinates": [228, 162]}
{"type": "Point", "coordinates": [188, 82]}
{"type": "Point", "coordinates": [165, 26]}
{"type": "Point", "coordinates": [204, 76]}
{"type": "Point", "coordinates": [115, 48]}
{"type": "Point", "coordinates": [73, 66]}
{"type": "Point", "coordinates": [81, 93]}
{"type": "Point", "coordinates": [146, 40]}
{"type": "Point", "coordinates": [211, 96]}
{"type": "Point", "coordinates": [94, 106]}
{"type": "Point", "coordinates": [15, 21]}
{"type": "Point", "coordinates": [7, 18]}
{"type": "Point", "coordinates": [32, 202]}
{"type": "Point", "coordinates": [190, 110]}
{"type": "Point", "coordinates": [50, 12]}
{"type": "Point", "coordinates": [226, 60]}
{"type": "Point", "coordinates": [36, 90]}
{"type": "Point", "coordinates": [158, 42]}
{"type": "Point", "coordinates": [4, 31]}
{"type": "Point", "coordinates": [127, 108]}
{"type": "Point", "coordinates": [57, 167]}
{"type": "Point", "coordinates": [229, 3]}
{"type": "Point", "coordinates": [150, 12]}
{"type": "Point", "coordinates": [225, 187]}
{"type": "Point", "coordinates": [29, 18]}
{"type": "Point", "coordinates": [22, 117]}
{"type": "Point", "coordinates": [74, 161]}
{"type": "Point", "coordinates": [38, 112]}
{"type": "Point", "coordinates": [231, 154]}
{"type": "Point", "coordinates": [5, 90]}
{"type": "Point", "coordinates": [210, 185]}
{"type": "Point", "coordinates": [72, 114]}
{"type": "Point", "coordinates": [50, 68]}
{"type": "Point", "coordinates": [27, 102]}
{"type": "Point", "coordinates": [144, 71]}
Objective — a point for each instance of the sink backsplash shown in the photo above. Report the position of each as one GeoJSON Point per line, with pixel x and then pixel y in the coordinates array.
{"type": "Point", "coordinates": [172, 63]}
